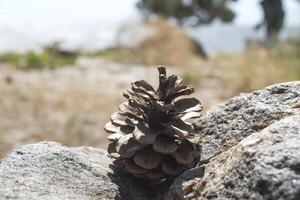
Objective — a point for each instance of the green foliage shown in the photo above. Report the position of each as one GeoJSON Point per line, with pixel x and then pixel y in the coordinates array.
{"type": "Point", "coordinates": [191, 78]}
{"type": "Point", "coordinates": [111, 52]}
{"type": "Point", "coordinates": [287, 57]}
{"type": "Point", "coordinates": [170, 8]}
{"type": "Point", "coordinates": [11, 58]}
{"type": "Point", "coordinates": [193, 12]}
{"type": "Point", "coordinates": [291, 48]}
{"type": "Point", "coordinates": [34, 60]}
{"type": "Point", "coordinates": [50, 57]}
{"type": "Point", "coordinates": [259, 67]}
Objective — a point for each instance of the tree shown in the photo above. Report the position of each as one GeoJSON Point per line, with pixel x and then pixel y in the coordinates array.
{"type": "Point", "coordinates": [273, 17]}
{"type": "Point", "coordinates": [196, 12]}
{"type": "Point", "coordinates": [192, 12]}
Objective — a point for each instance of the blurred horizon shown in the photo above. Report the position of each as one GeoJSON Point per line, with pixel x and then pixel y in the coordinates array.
{"type": "Point", "coordinates": [93, 25]}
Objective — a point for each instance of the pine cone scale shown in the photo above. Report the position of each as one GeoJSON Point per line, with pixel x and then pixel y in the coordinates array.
{"type": "Point", "coordinates": [144, 135]}
{"type": "Point", "coordinates": [155, 174]}
{"type": "Point", "coordinates": [147, 158]}
{"type": "Point", "coordinates": [182, 156]}
{"type": "Point", "coordinates": [180, 128]}
{"type": "Point", "coordinates": [171, 167]}
{"type": "Point", "coordinates": [164, 144]}
{"type": "Point", "coordinates": [187, 105]}
{"type": "Point", "coordinates": [127, 146]}
{"type": "Point", "coordinates": [132, 167]}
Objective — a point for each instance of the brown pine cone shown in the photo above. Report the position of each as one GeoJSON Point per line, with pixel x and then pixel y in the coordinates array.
{"type": "Point", "coordinates": [152, 135]}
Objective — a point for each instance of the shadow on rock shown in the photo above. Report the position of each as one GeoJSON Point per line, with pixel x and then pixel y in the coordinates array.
{"type": "Point", "coordinates": [134, 188]}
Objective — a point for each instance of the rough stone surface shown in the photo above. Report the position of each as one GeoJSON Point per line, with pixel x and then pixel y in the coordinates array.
{"type": "Point", "coordinates": [48, 170]}
{"type": "Point", "coordinates": [265, 165]}
{"type": "Point", "coordinates": [251, 150]}
{"type": "Point", "coordinates": [227, 123]}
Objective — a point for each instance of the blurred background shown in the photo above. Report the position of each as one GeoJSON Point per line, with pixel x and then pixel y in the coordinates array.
{"type": "Point", "coordinates": [65, 63]}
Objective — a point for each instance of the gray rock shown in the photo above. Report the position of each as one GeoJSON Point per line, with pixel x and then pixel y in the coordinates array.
{"type": "Point", "coordinates": [226, 124]}
{"type": "Point", "coordinates": [251, 150]}
{"type": "Point", "coordinates": [48, 170]}
{"type": "Point", "coordinates": [265, 165]}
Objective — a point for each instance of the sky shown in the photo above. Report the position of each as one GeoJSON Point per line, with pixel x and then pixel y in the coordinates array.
{"type": "Point", "coordinates": [249, 12]}
{"type": "Point", "coordinates": [93, 24]}
{"type": "Point", "coordinates": [113, 11]}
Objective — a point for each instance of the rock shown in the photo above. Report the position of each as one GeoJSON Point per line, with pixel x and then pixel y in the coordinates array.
{"type": "Point", "coordinates": [48, 170]}
{"type": "Point", "coordinates": [265, 165]}
{"type": "Point", "coordinates": [268, 120]}
{"type": "Point", "coordinates": [251, 150]}
{"type": "Point", "coordinates": [226, 124]}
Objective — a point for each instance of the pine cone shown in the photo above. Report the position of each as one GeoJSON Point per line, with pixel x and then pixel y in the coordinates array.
{"type": "Point", "coordinates": [151, 135]}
